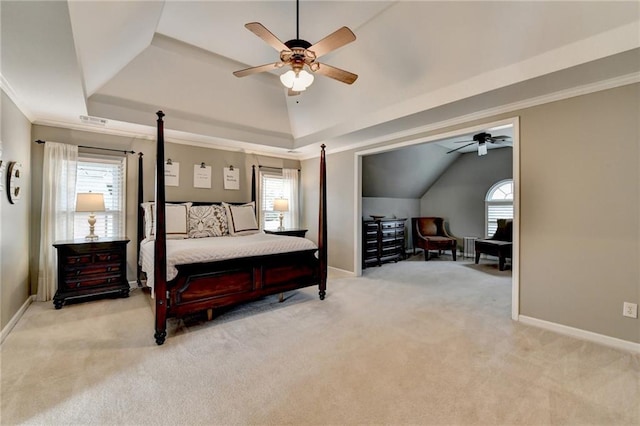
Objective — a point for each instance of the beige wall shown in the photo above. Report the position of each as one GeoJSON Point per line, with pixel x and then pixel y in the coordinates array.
{"type": "Point", "coordinates": [186, 155]}
{"type": "Point", "coordinates": [14, 218]}
{"type": "Point", "coordinates": [579, 201]}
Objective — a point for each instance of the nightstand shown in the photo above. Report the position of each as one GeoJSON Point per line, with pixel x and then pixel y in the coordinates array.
{"type": "Point", "coordinates": [91, 268]}
{"type": "Point", "coordinates": [292, 232]}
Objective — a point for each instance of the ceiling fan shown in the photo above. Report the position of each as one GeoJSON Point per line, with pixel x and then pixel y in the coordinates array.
{"type": "Point", "coordinates": [300, 54]}
{"type": "Point", "coordinates": [482, 139]}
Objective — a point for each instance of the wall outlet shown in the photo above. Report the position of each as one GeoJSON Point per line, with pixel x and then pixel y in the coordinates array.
{"type": "Point", "coordinates": [630, 310]}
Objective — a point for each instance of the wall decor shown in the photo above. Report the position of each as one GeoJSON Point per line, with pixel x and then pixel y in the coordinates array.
{"type": "Point", "coordinates": [14, 182]}
{"type": "Point", "coordinates": [231, 178]}
{"type": "Point", "coordinates": [201, 176]}
{"type": "Point", "coordinates": [172, 173]}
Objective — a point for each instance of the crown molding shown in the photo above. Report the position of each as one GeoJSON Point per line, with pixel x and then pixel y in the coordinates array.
{"type": "Point", "coordinates": [6, 88]}
{"type": "Point", "coordinates": [410, 135]}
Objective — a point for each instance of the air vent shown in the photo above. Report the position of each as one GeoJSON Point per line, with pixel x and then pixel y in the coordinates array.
{"type": "Point", "coordinates": [93, 121]}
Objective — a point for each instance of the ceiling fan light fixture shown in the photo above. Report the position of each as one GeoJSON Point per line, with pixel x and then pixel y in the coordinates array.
{"type": "Point", "coordinates": [296, 82]}
{"type": "Point", "coordinates": [482, 149]}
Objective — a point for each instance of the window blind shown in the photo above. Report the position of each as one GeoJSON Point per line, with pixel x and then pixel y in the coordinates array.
{"type": "Point", "coordinates": [495, 211]}
{"type": "Point", "coordinates": [271, 187]}
{"type": "Point", "coordinates": [106, 175]}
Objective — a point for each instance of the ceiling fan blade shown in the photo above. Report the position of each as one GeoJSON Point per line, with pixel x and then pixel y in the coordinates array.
{"type": "Point", "coordinates": [467, 141]}
{"type": "Point", "coordinates": [258, 29]}
{"type": "Point", "coordinates": [254, 70]}
{"type": "Point", "coordinates": [500, 138]}
{"type": "Point", "coordinates": [333, 41]}
{"type": "Point", "coordinates": [457, 149]}
{"type": "Point", "coordinates": [336, 73]}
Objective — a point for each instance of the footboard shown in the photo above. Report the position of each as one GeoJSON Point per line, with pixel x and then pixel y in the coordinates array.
{"type": "Point", "coordinates": [203, 286]}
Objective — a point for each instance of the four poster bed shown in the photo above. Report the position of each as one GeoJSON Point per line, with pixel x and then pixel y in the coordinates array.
{"type": "Point", "coordinates": [232, 270]}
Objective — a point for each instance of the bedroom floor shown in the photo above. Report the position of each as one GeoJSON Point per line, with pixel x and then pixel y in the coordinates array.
{"type": "Point", "coordinates": [408, 343]}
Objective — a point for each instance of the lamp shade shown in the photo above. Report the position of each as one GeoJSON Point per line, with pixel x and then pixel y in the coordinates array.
{"type": "Point", "coordinates": [296, 82]}
{"type": "Point", "coordinates": [90, 202]}
{"type": "Point", "coordinates": [281, 205]}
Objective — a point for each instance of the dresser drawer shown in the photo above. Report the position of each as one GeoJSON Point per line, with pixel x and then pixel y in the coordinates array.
{"type": "Point", "coordinates": [71, 271]}
{"type": "Point", "coordinates": [85, 282]}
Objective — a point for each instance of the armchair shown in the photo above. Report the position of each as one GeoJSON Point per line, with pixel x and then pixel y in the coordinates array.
{"type": "Point", "coordinates": [500, 244]}
{"type": "Point", "coordinates": [429, 234]}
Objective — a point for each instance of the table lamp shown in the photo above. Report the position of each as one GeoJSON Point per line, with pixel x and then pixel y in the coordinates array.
{"type": "Point", "coordinates": [90, 202]}
{"type": "Point", "coordinates": [281, 205]}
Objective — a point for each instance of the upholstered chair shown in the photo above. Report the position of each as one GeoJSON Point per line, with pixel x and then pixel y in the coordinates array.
{"type": "Point", "coordinates": [499, 245]}
{"type": "Point", "coordinates": [429, 234]}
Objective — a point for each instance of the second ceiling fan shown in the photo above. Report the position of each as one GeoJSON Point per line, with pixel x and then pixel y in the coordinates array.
{"type": "Point", "coordinates": [482, 139]}
{"type": "Point", "coordinates": [300, 54]}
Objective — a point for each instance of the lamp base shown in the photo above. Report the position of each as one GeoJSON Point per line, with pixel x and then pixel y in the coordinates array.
{"type": "Point", "coordinates": [281, 228]}
{"type": "Point", "coordinates": [92, 223]}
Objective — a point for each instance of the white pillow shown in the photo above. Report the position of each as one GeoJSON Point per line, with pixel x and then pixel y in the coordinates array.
{"type": "Point", "coordinates": [176, 220]}
{"type": "Point", "coordinates": [242, 219]}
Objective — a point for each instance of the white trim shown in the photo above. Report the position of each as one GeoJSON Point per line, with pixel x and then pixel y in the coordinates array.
{"type": "Point", "coordinates": [484, 114]}
{"type": "Point", "coordinates": [14, 320]}
{"type": "Point", "coordinates": [578, 333]}
{"type": "Point", "coordinates": [341, 271]}
{"type": "Point", "coordinates": [515, 254]}
{"type": "Point", "coordinates": [6, 87]}
{"type": "Point", "coordinates": [515, 260]}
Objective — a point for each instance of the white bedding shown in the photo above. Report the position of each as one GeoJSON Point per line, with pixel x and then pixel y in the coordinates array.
{"type": "Point", "coordinates": [201, 250]}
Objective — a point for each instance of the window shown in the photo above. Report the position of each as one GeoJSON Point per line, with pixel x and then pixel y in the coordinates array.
{"type": "Point", "coordinates": [276, 183]}
{"type": "Point", "coordinates": [106, 175]}
{"type": "Point", "coordinates": [271, 187]}
{"type": "Point", "coordinates": [499, 205]}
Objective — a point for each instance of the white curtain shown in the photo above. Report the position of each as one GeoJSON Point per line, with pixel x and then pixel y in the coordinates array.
{"type": "Point", "coordinates": [58, 207]}
{"type": "Point", "coordinates": [290, 189]}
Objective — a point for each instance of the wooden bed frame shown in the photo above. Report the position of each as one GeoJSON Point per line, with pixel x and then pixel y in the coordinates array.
{"type": "Point", "coordinates": [205, 286]}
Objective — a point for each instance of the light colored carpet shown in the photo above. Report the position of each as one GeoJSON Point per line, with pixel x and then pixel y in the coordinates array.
{"type": "Point", "coordinates": [409, 343]}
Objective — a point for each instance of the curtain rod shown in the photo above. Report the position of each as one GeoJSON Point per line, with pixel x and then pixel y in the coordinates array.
{"type": "Point", "coordinates": [272, 168]}
{"type": "Point", "coordinates": [40, 142]}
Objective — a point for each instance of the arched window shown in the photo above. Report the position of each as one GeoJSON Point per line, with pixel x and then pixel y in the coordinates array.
{"type": "Point", "coordinates": [498, 205]}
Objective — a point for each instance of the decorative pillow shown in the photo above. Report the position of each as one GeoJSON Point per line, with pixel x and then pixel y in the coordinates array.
{"type": "Point", "coordinates": [207, 221]}
{"type": "Point", "coordinates": [176, 220]}
{"type": "Point", "coordinates": [242, 219]}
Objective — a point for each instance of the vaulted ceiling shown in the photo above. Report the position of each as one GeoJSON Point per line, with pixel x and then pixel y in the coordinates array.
{"type": "Point", "coordinates": [417, 61]}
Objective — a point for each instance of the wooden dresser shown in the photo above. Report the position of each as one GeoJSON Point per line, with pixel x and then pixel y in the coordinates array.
{"type": "Point", "coordinates": [382, 241]}
{"type": "Point", "coordinates": [91, 268]}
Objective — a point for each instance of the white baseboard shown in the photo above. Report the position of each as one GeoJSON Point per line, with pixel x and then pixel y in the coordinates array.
{"type": "Point", "coordinates": [341, 271]}
{"type": "Point", "coordinates": [14, 320]}
{"type": "Point", "coordinates": [581, 334]}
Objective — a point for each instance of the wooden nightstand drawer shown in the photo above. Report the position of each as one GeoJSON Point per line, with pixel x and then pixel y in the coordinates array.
{"type": "Point", "coordinates": [91, 268]}
{"type": "Point", "coordinates": [83, 282]}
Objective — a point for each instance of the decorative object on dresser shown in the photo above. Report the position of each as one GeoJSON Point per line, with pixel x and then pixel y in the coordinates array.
{"type": "Point", "coordinates": [91, 202]}
{"type": "Point", "coordinates": [382, 241]}
{"type": "Point", "coordinates": [281, 205]}
{"type": "Point", "coordinates": [500, 244]}
{"type": "Point", "coordinates": [91, 269]}
{"type": "Point", "coordinates": [291, 232]}
{"type": "Point", "coordinates": [429, 233]}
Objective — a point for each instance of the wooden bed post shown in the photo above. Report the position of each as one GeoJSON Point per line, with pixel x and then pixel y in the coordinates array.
{"type": "Point", "coordinates": [140, 216]}
{"type": "Point", "coordinates": [253, 186]}
{"type": "Point", "coordinates": [322, 225]}
{"type": "Point", "coordinates": [160, 252]}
